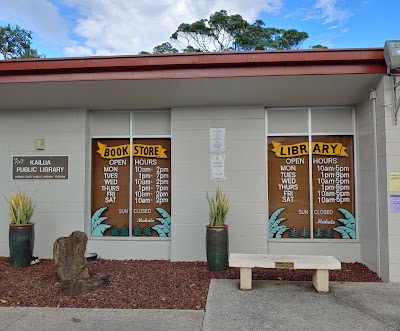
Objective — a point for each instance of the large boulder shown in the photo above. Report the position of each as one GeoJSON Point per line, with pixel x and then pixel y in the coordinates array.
{"type": "Point", "coordinates": [69, 256]}
{"type": "Point", "coordinates": [72, 269]}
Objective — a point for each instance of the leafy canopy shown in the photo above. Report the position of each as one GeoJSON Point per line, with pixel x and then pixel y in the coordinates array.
{"type": "Point", "coordinates": [223, 32]}
{"type": "Point", "coordinates": [16, 43]}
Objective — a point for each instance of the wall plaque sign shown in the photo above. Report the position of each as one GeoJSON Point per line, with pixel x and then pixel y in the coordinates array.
{"type": "Point", "coordinates": [40, 167]}
{"type": "Point", "coordinates": [217, 140]}
{"type": "Point", "coordinates": [284, 265]}
{"type": "Point", "coordinates": [217, 166]}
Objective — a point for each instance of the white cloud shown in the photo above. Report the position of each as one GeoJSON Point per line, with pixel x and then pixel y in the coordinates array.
{"type": "Point", "coordinates": [39, 16]}
{"type": "Point", "coordinates": [330, 12]}
{"type": "Point", "coordinates": [107, 27]}
{"type": "Point", "coordinates": [325, 11]}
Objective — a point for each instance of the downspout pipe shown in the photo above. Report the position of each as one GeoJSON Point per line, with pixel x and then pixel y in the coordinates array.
{"type": "Point", "coordinates": [378, 222]}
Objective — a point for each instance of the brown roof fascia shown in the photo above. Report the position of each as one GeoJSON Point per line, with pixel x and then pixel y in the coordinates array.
{"type": "Point", "coordinates": [196, 65]}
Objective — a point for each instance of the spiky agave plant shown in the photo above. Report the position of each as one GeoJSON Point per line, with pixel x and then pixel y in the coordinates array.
{"type": "Point", "coordinates": [21, 207]}
{"type": "Point", "coordinates": [219, 207]}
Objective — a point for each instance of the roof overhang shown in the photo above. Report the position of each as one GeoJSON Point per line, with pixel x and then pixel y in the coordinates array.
{"type": "Point", "coordinates": [269, 78]}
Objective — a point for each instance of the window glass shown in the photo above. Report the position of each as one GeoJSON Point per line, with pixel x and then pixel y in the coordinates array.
{"type": "Point", "coordinates": [288, 187]}
{"type": "Point", "coordinates": [151, 123]}
{"type": "Point", "coordinates": [110, 124]}
{"type": "Point", "coordinates": [312, 198]}
{"type": "Point", "coordinates": [287, 121]}
{"type": "Point", "coordinates": [332, 120]}
{"type": "Point", "coordinates": [131, 176]}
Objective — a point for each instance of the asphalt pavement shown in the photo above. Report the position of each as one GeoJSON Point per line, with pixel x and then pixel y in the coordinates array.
{"type": "Point", "coordinates": [270, 305]}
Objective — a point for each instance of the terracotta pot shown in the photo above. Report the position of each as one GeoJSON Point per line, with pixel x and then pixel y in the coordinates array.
{"type": "Point", "coordinates": [21, 240]}
{"type": "Point", "coordinates": [217, 247]}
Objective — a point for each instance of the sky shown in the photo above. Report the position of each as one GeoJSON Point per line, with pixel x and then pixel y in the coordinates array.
{"type": "Point", "coordinates": [74, 28]}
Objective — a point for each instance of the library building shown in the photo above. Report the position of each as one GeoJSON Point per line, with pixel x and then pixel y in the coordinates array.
{"type": "Point", "coordinates": [304, 143]}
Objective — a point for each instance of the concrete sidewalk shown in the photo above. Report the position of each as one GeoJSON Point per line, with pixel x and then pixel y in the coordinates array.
{"type": "Point", "coordinates": [270, 305]}
{"type": "Point", "coordinates": [274, 305]}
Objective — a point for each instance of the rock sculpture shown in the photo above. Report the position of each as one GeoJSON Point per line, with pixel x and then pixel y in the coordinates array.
{"type": "Point", "coordinates": [72, 268]}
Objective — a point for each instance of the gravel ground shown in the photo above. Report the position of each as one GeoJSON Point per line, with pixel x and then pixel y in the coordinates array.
{"type": "Point", "coordinates": [141, 284]}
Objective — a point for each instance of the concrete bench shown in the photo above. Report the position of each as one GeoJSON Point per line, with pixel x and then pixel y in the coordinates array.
{"type": "Point", "coordinates": [319, 264]}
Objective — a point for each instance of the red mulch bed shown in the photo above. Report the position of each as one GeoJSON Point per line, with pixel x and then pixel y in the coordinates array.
{"type": "Point", "coordinates": [141, 284]}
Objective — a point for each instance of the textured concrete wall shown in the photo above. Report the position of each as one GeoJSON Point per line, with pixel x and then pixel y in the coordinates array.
{"type": "Point", "coordinates": [389, 156]}
{"type": "Point", "coordinates": [244, 183]}
{"type": "Point", "coordinates": [367, 191]}
{"type": "Point", "coordinates": [60, 203]}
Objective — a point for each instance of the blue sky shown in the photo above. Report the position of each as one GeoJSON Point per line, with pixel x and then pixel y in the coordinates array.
{"type": "Point", "coordinates": [65, 28]}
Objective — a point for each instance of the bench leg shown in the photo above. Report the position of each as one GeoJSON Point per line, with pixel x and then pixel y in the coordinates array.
{"type": "Point", "coordinates": [245, 278]}
{"type": "Point", "coordinates": [320, 279]}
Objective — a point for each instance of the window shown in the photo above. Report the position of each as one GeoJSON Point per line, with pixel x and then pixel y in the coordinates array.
{"type": "Point", "coordinates": [311, 174]}
{"type": "Point", "coordinates": [131, 174]}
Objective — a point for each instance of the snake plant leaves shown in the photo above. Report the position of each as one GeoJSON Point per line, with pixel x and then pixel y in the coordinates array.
{"type": "Point", "coordinates": [97, 229]}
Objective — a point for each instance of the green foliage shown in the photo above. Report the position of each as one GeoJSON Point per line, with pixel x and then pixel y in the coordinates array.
{"type": "Point", "coordinates": [15, 43]}
{"type": "Point", "coordinates": [318, 46]}
{"type": "Point", "coordinates": [125, 231]}
{"type": "Point", "coordinates": [318, 233]}
{"type": "Point", "coordinates": [218, 208]}
{"type": "Point", "coordinates": [147, 231]}
{"type": "Point", "coordinates": [21, 207]}
{"type": "Point", "coordinates": [164, 48]}
{"type": "Point", "coordinates": [222, 32]}
{"type": "Point", "coordinates": [348, 230]}
{"type": "Point", "coordinates": [304, 233]}
{"type": "Point", "coordinates": [163, 229]}
{"type": "Point", "coordinates": [293, 233]}
{"type": "Point", "coordinates": [137, 231]}
{"type": "Point", "coordinates": [276, 230]}
{"type": "Point", "coordinates": [329, 233]}
{"type": "Point", "coordinates": [96, 227]}
{"type": "Point", "coordinates": [115, 231]}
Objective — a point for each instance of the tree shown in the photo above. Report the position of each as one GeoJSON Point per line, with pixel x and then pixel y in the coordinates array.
{"type": "Point", "coordinates": [223, 32]}
{"type": "Point", "coordinates": [318, 46]}
{"type": "Point", "coordinates": [15, 43]}
{"type": "Point", "coordinates": [164, 48]}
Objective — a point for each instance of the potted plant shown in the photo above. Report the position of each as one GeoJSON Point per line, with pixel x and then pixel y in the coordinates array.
{"type": "Point", "coordinates": [21, 235]}
{"type": "Point", "coordinates": [217, 244]}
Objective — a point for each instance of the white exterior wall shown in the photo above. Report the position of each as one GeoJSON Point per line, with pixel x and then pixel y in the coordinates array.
{"type": "Point", "coordinates": [390, 222]}
{"type": "Point", "coordinates": [60, 203]}
{"type": "Point", "coordinates": [379, 227]}
{"type": "Point", "coordinates": [244, 184]}
{"type": "Point", "coordinates": [367, 191]}
{"type": "Point", "coordinates": [63, 206]}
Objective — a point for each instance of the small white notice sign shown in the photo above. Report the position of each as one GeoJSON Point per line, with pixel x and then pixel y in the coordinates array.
{"type": "Point", "coordinates": [217, 140]}
{"type": "Point", "coordinates": [217, 166]}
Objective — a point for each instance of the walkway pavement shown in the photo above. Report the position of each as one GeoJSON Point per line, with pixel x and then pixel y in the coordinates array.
{"type": "Point", "coordinates": [270, 305]}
